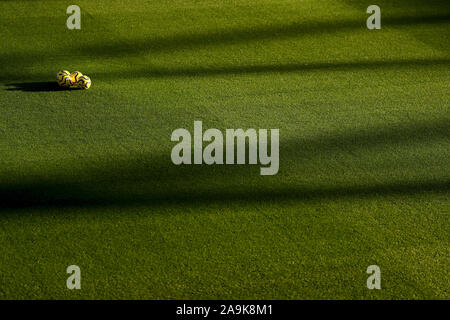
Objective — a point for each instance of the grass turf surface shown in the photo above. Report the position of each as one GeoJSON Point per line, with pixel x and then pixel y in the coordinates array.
{"type": "Point", "coordinates": [86, 176]}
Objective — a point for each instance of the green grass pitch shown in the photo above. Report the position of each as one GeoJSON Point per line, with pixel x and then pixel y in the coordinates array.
{"type": "Point", "coordinates": [86, 176]}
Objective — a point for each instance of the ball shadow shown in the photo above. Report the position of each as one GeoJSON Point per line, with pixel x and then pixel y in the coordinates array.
{"type": "Point", "coordinates": [43, 86]}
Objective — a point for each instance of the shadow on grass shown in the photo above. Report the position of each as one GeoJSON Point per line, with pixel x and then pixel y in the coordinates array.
{"type": "Point", "coordinates": [66, 196]}
{"type": "Point", "coordinates": [236, 36]}
{"type": "Point", "coordinates": [155, 72]}
{"type": "Point", "coordinates": [154, 180]}
{"type": "Point", "coordinates": [44, 86]}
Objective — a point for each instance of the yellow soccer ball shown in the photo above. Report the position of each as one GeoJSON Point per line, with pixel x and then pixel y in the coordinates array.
{"type": "Point", "coordinates": [61, 74]}
{"type": "Point", "coordinates": [84, 82]}
{"type": "Point", "coordinates": [75, 76]}
{"type": "Point", "coordinates": [65, 82]}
